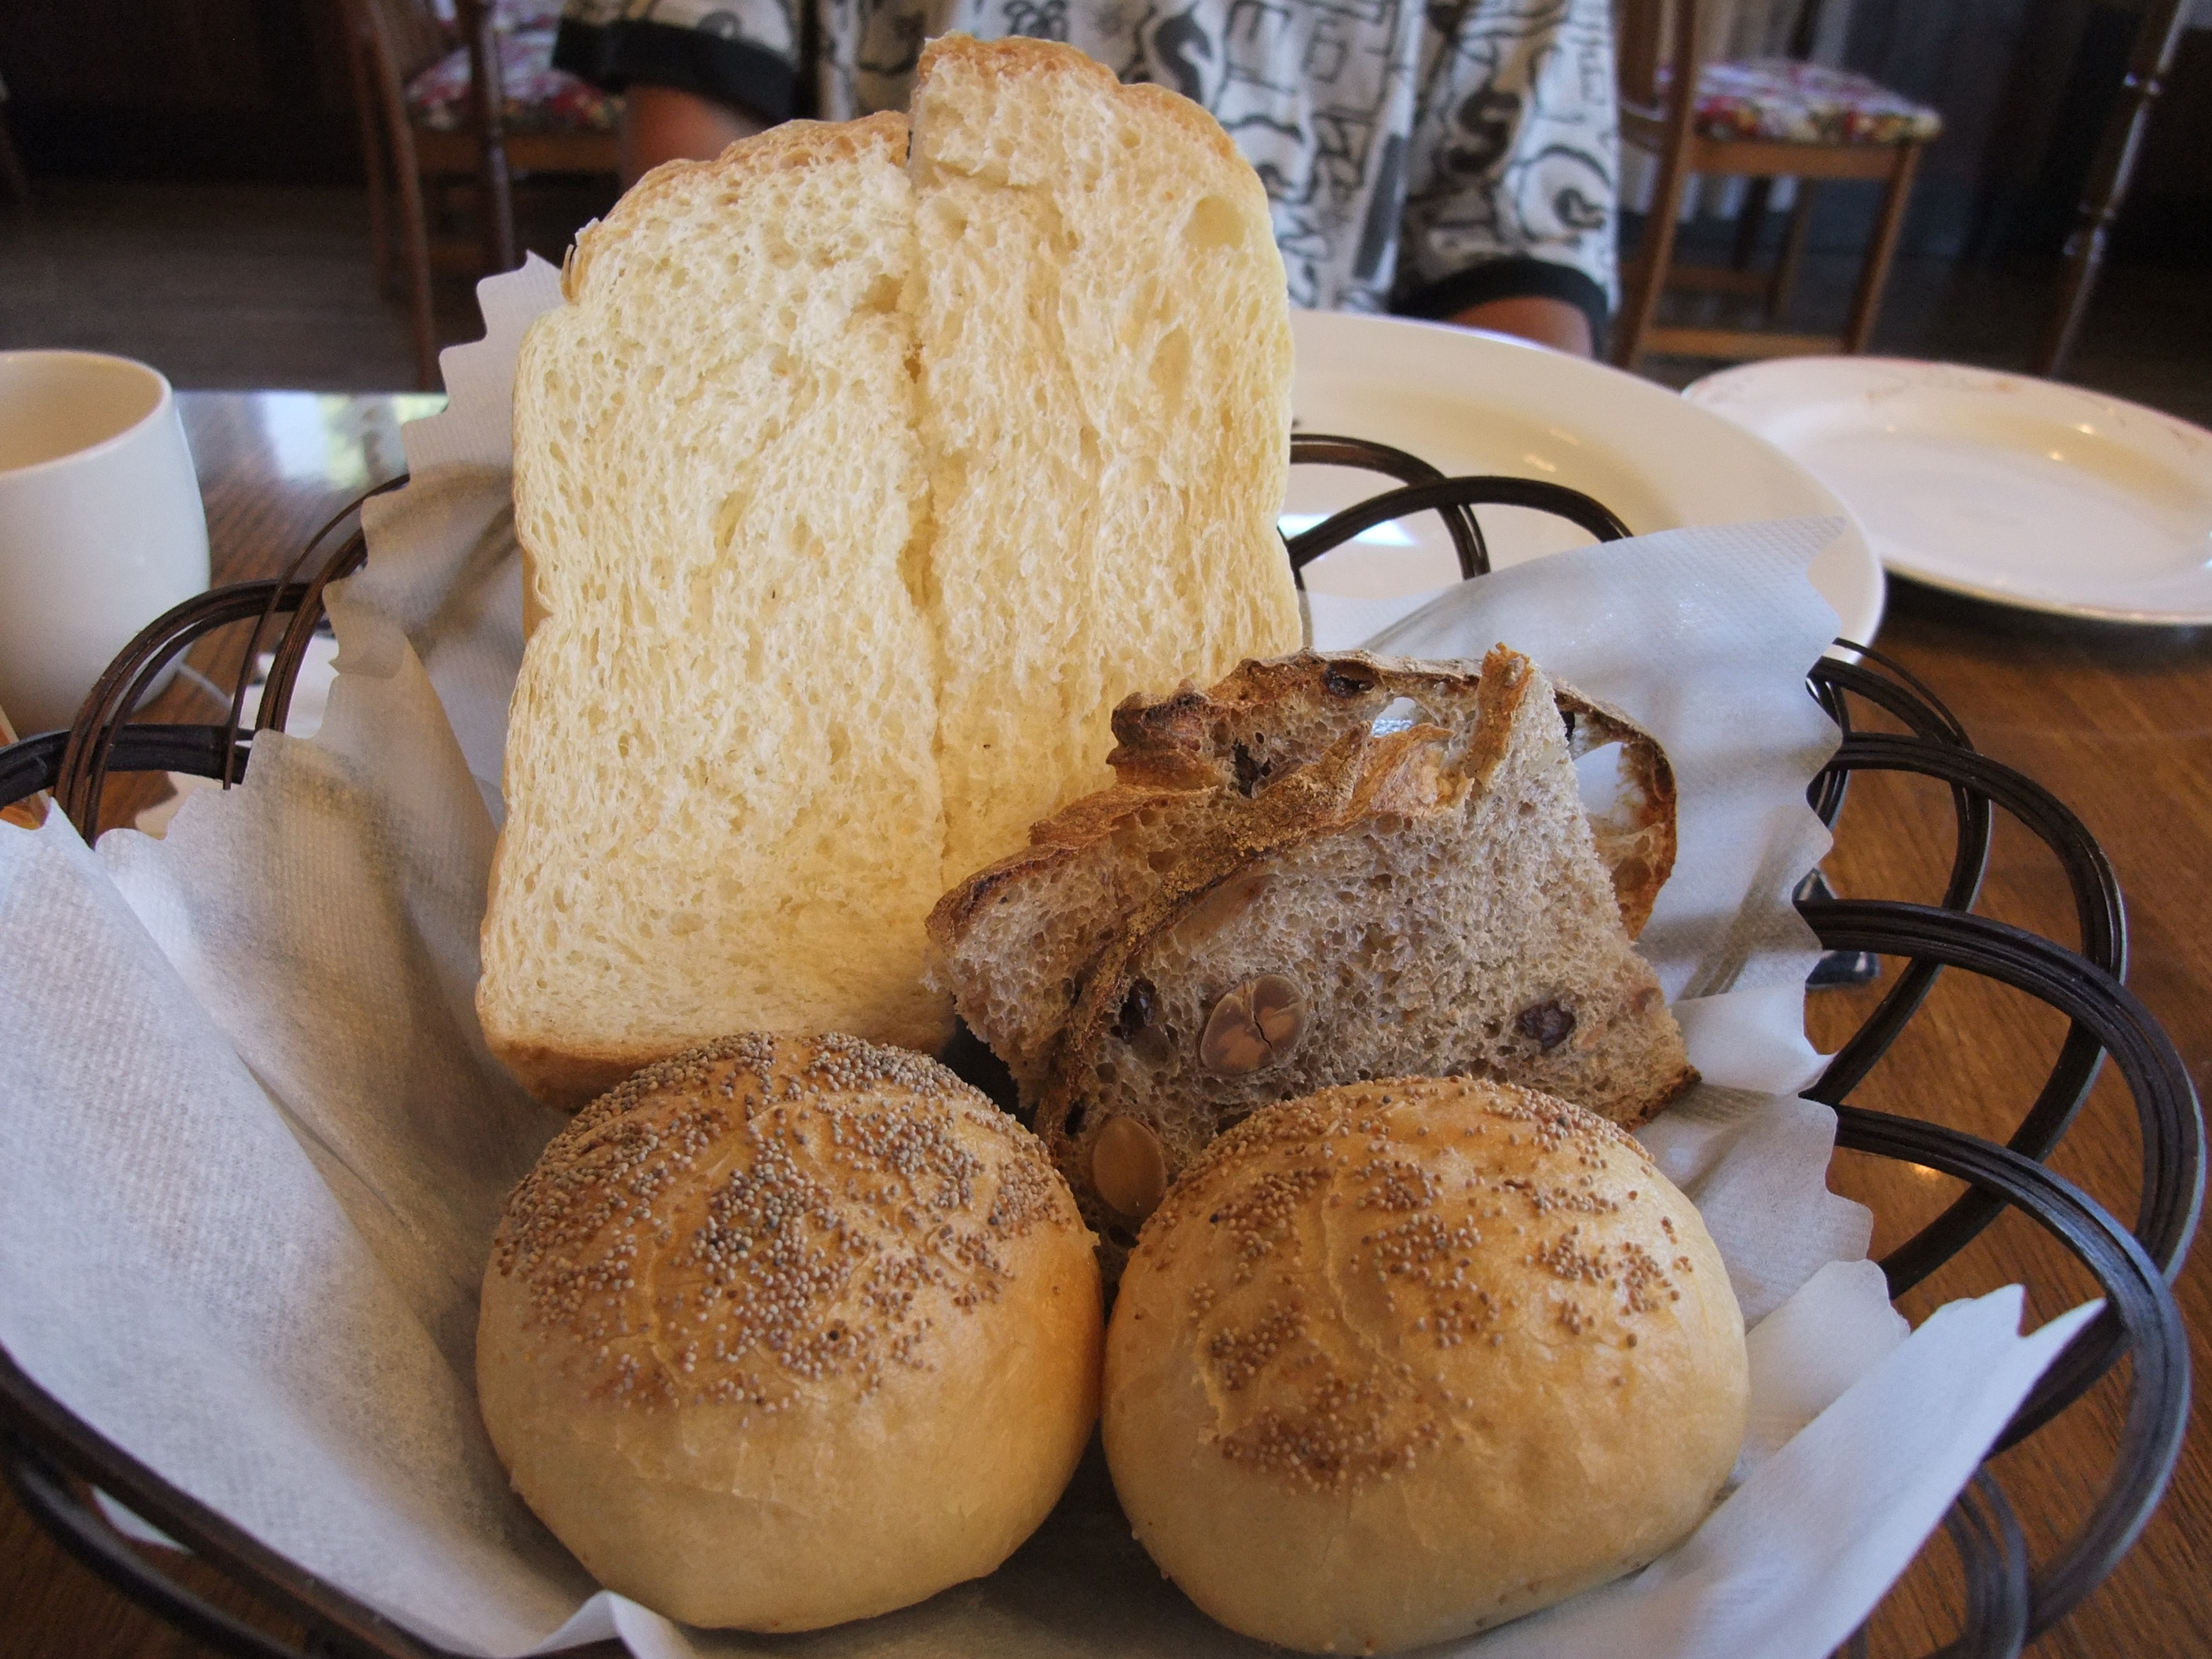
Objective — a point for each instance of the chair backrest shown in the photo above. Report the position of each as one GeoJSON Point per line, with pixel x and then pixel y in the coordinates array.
{"type": "Point", "coordinates": [1656, 47]}
{"type": "Point", "coordinates": [392, 42]}
{"type": "Point", "coordinates": [1652, 37]}
{"type": "Point", "coordinates": [409, 35]}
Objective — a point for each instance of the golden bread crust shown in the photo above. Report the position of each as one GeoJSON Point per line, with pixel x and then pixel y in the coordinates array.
{"type": "Point", "coordinates": [1017, 58]}
{"type": "Point", "coordinates": [777, 1268]}
{"type": "Point", "coordinates": [1408, 1358]}
{"type": "Point", "coordinates": [784, 148]}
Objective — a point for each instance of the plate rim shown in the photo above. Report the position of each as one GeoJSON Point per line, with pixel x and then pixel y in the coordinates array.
{"type": "Point", "coordinates": [1700, 390]}
{"type": "Point", "coordinates": [1865, 621]}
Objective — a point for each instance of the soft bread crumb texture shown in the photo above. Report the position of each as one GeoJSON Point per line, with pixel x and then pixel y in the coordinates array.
{"type": "Point", "coordinates": [742, 1320]}
{"type": "Point", "coordinates": [1409, 1359]}
{"type": "Point", "coordinates": [724, 809]}
{"type": "Point", "coordinates": [855, 491]}
{"type": "Point", "coordinates": [1105, 360]}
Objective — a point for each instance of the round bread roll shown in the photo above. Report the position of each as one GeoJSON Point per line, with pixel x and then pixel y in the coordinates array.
{"type": "Point", "coordinates": [786, 1331]}
{"type": "Point", "coordinates": [1402, 1360]}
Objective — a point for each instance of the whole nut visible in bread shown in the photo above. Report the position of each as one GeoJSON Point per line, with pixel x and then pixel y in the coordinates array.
{"type": "Point", "coordinates": [1253, 1027]}
{"type": "Point", "coordinates": [1128, 1167]}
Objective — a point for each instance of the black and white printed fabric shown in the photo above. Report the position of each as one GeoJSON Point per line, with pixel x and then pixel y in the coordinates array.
{"type": "Point", "coordinates": [1419, 159]}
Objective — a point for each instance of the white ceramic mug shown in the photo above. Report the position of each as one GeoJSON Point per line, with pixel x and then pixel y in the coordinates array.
{"type": "Point", "coordinates": [101, 526]}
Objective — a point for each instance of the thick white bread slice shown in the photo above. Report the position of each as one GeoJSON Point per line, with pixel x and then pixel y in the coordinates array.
{"type": "Point", "coordinates": [1106, 369]}
{"type": "Point", "coordinates": [856, 499]}
{"type": "Point", "coordinates": [721, 769]}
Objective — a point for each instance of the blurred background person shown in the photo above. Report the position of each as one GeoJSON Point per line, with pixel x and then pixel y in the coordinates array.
{"type": "Point", "coordinates": [1456, 161]}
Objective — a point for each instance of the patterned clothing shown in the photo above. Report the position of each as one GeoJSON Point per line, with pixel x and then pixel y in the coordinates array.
{"type": "Point", "coordinates": [1420, 160]}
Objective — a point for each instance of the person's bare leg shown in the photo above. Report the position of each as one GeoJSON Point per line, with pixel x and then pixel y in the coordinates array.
{"type": "Point", "coordinates": [1554, 323]}
{"type": "Point", "coordinates": [660, 124]}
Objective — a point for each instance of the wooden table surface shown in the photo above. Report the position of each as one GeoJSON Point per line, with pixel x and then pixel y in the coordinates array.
{"type": "Point", "coordinates": [2117, 723]}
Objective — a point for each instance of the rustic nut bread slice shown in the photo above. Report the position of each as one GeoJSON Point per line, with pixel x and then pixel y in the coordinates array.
{"type": "Point", "coordinates": [1453, 920]}
{"type": "Point", "coordinates": [1423, 901]}
{"type": "Point", "coordinates": [1105, 364]}
{"type": "Point", "coordinates": [730, 690]}
{"type": "Point", "coordinates": [1015, 942]}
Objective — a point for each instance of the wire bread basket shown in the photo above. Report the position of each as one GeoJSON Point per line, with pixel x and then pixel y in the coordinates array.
{"type": "Point", "coordinates": [52, 1457]}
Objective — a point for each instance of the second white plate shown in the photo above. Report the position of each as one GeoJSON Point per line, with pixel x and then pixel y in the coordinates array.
{"type": "Point", "coordinates": [1469, 402]}
{"type": "Point", "coordinates": [2023, 491]}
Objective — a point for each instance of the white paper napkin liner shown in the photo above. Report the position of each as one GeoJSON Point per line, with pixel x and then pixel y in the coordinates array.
{"type": "Point", "coordinates": [1750, 1039]}
{"type": "Point", "coordinates": [1805, 1354]}
{"type": "Point", "coordinates": [476, 428]}
{"type": "Point", "coordinates": [1756, 1167]}
{"type": "Point", "coordinates": [1344, 622]}
{"type": "Point", "coordinates": [181, 1274]}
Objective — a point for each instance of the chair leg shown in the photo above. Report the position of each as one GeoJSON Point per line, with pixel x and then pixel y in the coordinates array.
{"type": "Point", "coordinates": [1750, 222]}
{"type": "Point", "coordinates": [487, 98]}
{"type": "Point", "coordinates": [414, 246]}
{"type": "Point", "coordinates": [1654, 254]}
{"type": "Point", "coordinates": [16, 182]}
{"type": "Point", "coordinates": [372, 161]}
{"type": "Point", "coordinates": [1877, 273]}
{"type": "Point", "coordinates": [1793, 251]}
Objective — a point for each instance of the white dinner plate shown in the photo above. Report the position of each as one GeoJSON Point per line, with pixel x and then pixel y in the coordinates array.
{"type": "Point", "coordinates": [1466, 402]}
{"type": "Point", "coordinates": [2008, 487]}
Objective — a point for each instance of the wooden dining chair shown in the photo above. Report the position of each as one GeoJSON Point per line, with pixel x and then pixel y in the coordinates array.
{"type": "Point", "coordinates": [14, 181]}
{"type": "Point", "coordinates": [461, 109]}
{"type": "Point", "coordinates": [1764, 120]}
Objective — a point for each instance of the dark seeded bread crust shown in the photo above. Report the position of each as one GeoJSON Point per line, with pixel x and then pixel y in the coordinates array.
{"type": "Point", "coordinates": [1284, 711]}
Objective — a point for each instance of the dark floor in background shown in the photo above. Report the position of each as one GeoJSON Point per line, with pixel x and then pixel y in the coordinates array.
{"type": "Point", "coordinates": [2148, 337]}
{"type": "Point", "coordinates": [233, 286]}
{"type": "Point", "coordinates": [238, 286]}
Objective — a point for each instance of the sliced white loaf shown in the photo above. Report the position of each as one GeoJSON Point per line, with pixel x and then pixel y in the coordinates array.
{"type": "Point", "coordinates": [1105, 355]}
{"type": "Point", "coordinates": [721, 777]}
{"type": "Point", "coordinates": [854, 506]}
